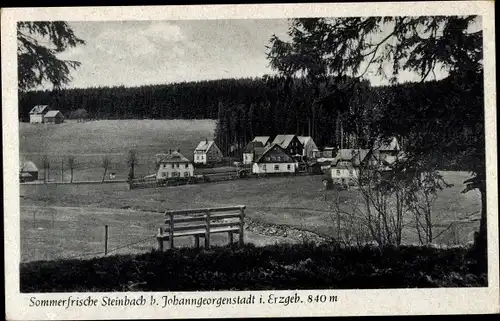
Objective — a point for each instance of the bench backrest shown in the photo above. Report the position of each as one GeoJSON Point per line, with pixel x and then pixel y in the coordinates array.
{"type": "Point", "coordinates": [204, 218]}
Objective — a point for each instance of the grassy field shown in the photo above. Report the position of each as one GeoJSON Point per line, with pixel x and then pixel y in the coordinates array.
{"type": "Point", "coordinates": [88, 142]}
{"type": "Point", "coordinates": [81, 211]}
{"type": "Point", "coordinates": [55, 232]}
{"type": "Point", "coordinates": [69, 219]}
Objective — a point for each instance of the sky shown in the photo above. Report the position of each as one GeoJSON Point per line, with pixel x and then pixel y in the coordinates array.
{"type": "Point", "coordinates": [135, 53]}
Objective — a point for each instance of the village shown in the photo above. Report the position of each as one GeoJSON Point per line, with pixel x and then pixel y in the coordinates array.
{"type": "Point", "coordinates": [264, 156]}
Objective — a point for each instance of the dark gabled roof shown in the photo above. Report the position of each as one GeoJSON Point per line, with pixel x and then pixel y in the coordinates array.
{"type": "Point", "coordinates": [354, 156]}
{"type": "Point", "coordinates": [52, 113]}
{"type": "Point", "coordinates": [174, 157]}
{"type": "Point", "coordinates": [263, 139]}
{"type": "Point", "coordinates": [204, 145]}
{"type": "Point", "coordinates": [39, 109]}
{"type": "Point", "coordinates": [283, 140]}
{"type": "Point", "coordinates": [258, 158]}
{"type": "Point", "coordinates": [258, 151]}
{"type": "Point", "coordinates": [250, 147]}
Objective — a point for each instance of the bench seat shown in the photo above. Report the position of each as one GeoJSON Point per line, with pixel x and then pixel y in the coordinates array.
{"type": "Point", "coordinates": [199, 232]}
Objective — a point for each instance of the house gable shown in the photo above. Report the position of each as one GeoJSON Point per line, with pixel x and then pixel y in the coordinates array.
{"type": "Point", "coordinates": [214, 149]}
{"type": "Point", "coordinates": [204, 146]}
{"type": "Point", "coordinates": [275, 154]}
{"type": "Point", "coordinates": [290, 143]}
{"type": "Point", "coordinates": [39, 110]}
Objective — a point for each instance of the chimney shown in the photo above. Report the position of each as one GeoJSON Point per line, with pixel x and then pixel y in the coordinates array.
{"type": "Point", "coordinates": [178, 150]}
{"type": "Point", "coordinates": [206, 140]}
{"type": "Point", "coordinates": [170, 151]}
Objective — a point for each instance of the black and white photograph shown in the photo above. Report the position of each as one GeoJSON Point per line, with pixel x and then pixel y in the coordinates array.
{"type": "Point", "coordinates": [274, 162]}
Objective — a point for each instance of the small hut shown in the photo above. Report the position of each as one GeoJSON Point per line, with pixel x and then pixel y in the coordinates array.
{"type": "Point", "coordinates": [53, 117]}
{"type": "Point", "coordinates": [30, 168]}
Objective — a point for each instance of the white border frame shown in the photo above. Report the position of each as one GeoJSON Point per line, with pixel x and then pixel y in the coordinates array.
{"type": "Point", "coordinates": [350, 302]}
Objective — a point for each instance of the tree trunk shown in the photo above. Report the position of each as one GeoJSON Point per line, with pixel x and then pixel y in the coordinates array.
{"type": "Point", "coordinates": [481, 238]}
{"type": "Point", "coordinates": [71, 180]}
{"type": "Point", "coordinates": [104, 175]}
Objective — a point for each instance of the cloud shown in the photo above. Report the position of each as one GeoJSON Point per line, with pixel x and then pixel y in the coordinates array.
{"type": "Point", "coordinates": [143, 41]}
{"type": "Point", "coordinates": [135, 53]}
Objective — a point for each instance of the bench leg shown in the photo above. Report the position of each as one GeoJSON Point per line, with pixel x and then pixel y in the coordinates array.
{"type": "Point", "coordinates": [207, 242]}
{"type": "Point", "coordinates": [196, 241]}
{"type": "Point", "coordinates": [230, 234]}
{"type": "Point", "coordinates": [160, 240]}
{"type": "Point", "coordinates": [160, 245]}
{"type": "Point", "coordinates": [240, 239]}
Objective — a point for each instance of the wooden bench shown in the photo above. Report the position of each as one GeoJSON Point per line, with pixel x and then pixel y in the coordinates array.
{"type": "Point", "coordinates": [202, 223]}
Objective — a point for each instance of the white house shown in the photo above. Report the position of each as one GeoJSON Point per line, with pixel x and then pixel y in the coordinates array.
{"type": "Point", "coordinates": [310, 149]}
{"type": "Point", "coordinates": [387, 151]}
{"type": "Point", "coordinates": [207, 152]}
{"type": "Point", "coordinates": [386, 147]}
{"type": "Point", "coordinates": [274, 160]}
{"type": "Point", "coordinates": [346, 165]}
{"type": "Point", "coordinates": [37, 113]}
{"type": "Point", "coordinates": [173, 165]}
{"type": "Point", "coordinates": [251, 149]}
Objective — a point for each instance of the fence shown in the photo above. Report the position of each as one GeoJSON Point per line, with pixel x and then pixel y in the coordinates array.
{"type": "Point", "coordinates": [152, 181]}
{"type": "Point", "coordinates": [144, 182]}
{"type": "Point", "coordinates": [86, 167]}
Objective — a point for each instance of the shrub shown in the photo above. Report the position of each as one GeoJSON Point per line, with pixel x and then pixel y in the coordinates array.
{"type": "Point", "coordinates": [283, 266]}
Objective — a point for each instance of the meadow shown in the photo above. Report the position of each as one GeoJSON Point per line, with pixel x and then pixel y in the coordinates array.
{"type": "Point", "coordinates": [90, 141]}
{"type": "Point", "coordinates": [72, 217]}
{"type": "Point", "coordinates": [68, 219]}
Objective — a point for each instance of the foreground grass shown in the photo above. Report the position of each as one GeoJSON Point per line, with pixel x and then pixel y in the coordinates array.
{"type": "Point", "coordinates": [300, 266]}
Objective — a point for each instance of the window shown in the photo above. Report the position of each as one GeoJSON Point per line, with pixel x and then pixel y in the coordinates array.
{"type": "Point", "coordinates": [168, 174]}
{"type": "Point", "coordinates": [291, 150]}
{"type": "Point", "coordinates": [338, 172]}
{"type": "Point", "coordinates": [288, 167]}
{"type": "Point", "coordinates": [351, 173]}
{"type": "Point", "coordinates": [276, 167]}
{"type": "Point", "coordinates": [264, 167]}
{"type": "Point", "coordinates": [173, 165]}
{"type": "Point", "coordinates": [177, 165]}
{"type": "Point", "coordinates": [268, 158]}
{"type": "Point", "coordinates": [186, 174]}
{"type": "Point", "coordinates": [163, 174]}
{"type": "Point", "coordinates": [187, 165]}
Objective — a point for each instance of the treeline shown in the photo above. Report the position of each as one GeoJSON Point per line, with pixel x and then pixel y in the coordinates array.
{"type": "Point", "coordinates": [256, 106]}
{"type": "Point", "coordinates": [335, 112]}
{"type": "Point", "coordinates": [188, 100]}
